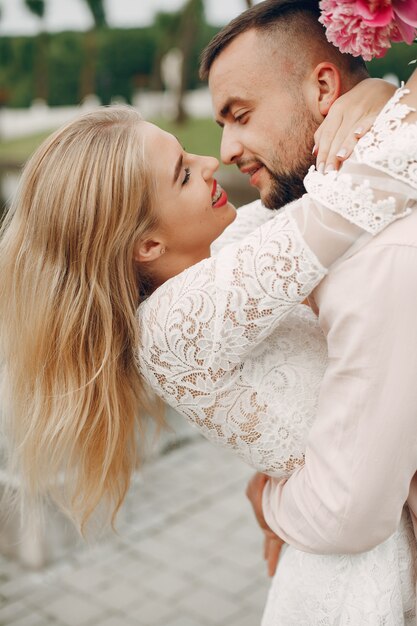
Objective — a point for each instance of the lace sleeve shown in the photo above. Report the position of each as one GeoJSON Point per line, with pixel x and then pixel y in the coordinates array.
{"type": "Point", "coordinates": [201, 323]}
{"type": "Point", "coordinates": [249, 217]}
{"type": "Point", "coordinates": [391, 145]}
{"type": "Point", "coordinates": [199, 327]}
{"type": "Point", "coordinates": [379, 182]}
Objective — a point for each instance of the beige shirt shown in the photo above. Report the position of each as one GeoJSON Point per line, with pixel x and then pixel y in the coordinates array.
{"type": "Point", "coordinates": [361, 458]}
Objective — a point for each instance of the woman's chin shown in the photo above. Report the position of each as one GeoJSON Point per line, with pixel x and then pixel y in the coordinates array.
{"type": "Point", "coordinates": [229, 215]}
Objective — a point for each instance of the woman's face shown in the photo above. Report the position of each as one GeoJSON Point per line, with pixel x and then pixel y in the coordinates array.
{"type": "Point", "coordinates": [192, 208]}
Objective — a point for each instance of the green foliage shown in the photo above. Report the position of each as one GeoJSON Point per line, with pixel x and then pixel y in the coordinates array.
{"type": "Point", "coordinates": [16, 71]}
{"type": "Point", "coordinates": [166, 30]}
{"type": "Point", "coordinates": [37, 7]}
{"type": "Point", "coordinates": [125, 62]}
{"type": "Point", "coordinates": [97, 11]}
{"type": "Point", "coordinates": [205, 34]}
{"type": "Point", "coordinates": [396, 61]}
{"type": "Point", "coordinates": [65, 59]}
{"type": "Point", "coordinates": [127, 59]}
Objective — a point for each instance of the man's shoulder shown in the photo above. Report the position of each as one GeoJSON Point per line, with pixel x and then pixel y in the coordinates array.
{"type": "Point", "coordinates": [386, 263]}
{"type": "Point", "coordinates": [403, 232]}
{"type": "Point", "coordinates": [391, 242]}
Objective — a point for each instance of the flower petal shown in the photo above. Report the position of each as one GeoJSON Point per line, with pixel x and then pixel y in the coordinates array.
{"type": "Point", "coordinates": [378, 17]}
{"type": "Point", "coordinates": [406, 10]}
{"type": "Point", "coordinates": [408, 32]}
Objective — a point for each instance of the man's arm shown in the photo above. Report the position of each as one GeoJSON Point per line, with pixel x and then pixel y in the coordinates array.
{"type": "Point", "coordinates": [362, 450]}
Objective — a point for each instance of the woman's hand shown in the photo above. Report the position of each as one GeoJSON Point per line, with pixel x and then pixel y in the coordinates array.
{"type": "Point", "coordinates": [349, 118]}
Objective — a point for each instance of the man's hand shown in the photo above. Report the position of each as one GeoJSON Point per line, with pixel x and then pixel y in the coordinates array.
{"type": "Point", "coordinates": [272, 543]}
{"type": "Point", "coordinates": [272, 550]}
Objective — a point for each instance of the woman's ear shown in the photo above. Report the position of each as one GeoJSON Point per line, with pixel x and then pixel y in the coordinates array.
{"type": "Point", "coordinates": [148, 250]}
{"type": "Point", "coordinates": [326, 86]}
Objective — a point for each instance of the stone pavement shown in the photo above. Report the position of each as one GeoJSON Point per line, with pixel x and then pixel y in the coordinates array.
{"type": "Point", "coordinates": [187, 553]}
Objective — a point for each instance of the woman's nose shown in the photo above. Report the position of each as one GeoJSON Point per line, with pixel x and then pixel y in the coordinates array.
{"type": "Point", "coordinates": [209, 166]}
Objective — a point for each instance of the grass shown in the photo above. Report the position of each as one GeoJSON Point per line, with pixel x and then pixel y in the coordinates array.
{"type": "Point", "coordinates": [199, 136]}
{"type": "Point", "coordinates": [16, 151]}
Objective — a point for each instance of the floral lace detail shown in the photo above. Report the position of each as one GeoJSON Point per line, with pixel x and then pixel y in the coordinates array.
{"type": "Point", "coordinates": [203, 349]}
{"type": "Point", "coordinates": [336, 190]}
{"type": "Point", "coordinates": [391, 144]}
{"type": "Point", "coordinates": [374, 588]}
{"type": "Point", "coordinates": [389, 147]}
{"type": "Point", "coordinates": [225, 343]}
{"type": "Point", "coordinates": [229, 346]}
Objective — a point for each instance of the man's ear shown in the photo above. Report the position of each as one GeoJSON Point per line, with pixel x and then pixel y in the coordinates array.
{"type": "Point", "coordinates": [328, 86]}
{"type": "Point", "coordinates": [148, 250]}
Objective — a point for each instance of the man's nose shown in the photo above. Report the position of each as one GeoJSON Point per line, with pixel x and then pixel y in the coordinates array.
{"type": "Point", "coordinates": [231, 148]}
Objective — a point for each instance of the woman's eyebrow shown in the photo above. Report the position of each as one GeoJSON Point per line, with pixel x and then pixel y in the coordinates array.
{"type": "Point", "coordinates": [177, 170]}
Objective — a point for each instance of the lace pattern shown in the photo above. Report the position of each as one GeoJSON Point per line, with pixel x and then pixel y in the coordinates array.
{"type": "Point", "coordinates": [203, 349]}
{"type": "Point", "coordinates": [228, 344]}
{"type": "Point", "coordinates": [357, 198]}
{"type": "Point", "coordinates": [368, 589]}
{"type": "Point", "coordinates": [219, 346]}
{"type": "Point", "coordinates": [391, 145]}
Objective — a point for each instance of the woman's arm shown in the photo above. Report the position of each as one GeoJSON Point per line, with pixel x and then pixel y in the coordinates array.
{"type": "Point", "coordinates": [361, 453]}
{"type": "Point", "coordinates": [201, 324]}
{"type": "Point", "coordinates": [349, 118]}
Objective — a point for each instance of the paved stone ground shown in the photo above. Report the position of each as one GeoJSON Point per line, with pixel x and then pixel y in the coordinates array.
{"type": "Point", "coordinates": [187, 553]}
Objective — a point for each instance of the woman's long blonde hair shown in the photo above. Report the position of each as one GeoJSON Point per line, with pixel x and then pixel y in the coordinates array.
{"type": "Point", "coordinates": [69, 291]}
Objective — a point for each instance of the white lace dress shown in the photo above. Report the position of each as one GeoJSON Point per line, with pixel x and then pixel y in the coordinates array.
{"type": "Point", "coordinates": [230, 346]}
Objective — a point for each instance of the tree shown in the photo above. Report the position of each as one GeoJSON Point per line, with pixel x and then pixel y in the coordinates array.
{"type": "Point", "coordinates": [249, 3]}
{"type": "Point", "coordinates": [37, 7]}
{"type": "Point", "coordinates": [88, 74]}
{"type": "Point", "coordinates": [192, 21]}
{"type": "Point", "coordinates": [40, 67]}
{"type": "Point", "coordinates": [97, 11]}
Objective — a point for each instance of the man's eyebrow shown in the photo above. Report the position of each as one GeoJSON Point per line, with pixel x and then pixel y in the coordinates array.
{"type": "Point", "coordinates": [177, 170]}
{"type": "Point", "coordinates": [225, 110]}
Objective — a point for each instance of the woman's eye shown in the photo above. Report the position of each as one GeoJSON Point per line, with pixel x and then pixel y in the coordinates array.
{"type": "Point", "coordinates": [187, 176]}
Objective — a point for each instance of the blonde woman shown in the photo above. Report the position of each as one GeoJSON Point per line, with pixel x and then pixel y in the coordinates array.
{"type": "Point", "coordinates": [109, 294]}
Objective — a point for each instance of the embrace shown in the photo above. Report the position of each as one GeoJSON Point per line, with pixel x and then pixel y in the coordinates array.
{"type": "Point", "coordinates": [284, 330]}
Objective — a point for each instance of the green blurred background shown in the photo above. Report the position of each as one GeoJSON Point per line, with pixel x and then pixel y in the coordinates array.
{"type": "Point", "coordinates": [62, 68]}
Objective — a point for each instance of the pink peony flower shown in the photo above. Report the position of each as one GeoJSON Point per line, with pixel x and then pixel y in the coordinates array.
{"type": "Point", "coordinates": [405, 12]}
{"type": "Point", "coordinates": [367, 27]}
{"type": "Point", "coordinates": [375, 13]}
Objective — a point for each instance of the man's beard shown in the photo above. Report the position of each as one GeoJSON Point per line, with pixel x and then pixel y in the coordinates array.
{"type": "Point", "coordinates": [288, 185]}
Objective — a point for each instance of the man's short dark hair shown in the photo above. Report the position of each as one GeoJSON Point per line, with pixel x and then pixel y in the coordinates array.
{"type": "Point", "coordinates": [265, 17]}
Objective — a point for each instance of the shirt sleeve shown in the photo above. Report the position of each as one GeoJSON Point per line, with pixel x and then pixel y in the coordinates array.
{"type": "Point", "coordinates": [362, 450]}
{"type": "Point", "coordinates": [201, 325]}
{"type": "Point", "coordinates": [360, 457]}
{"type": "Point", "coordinates": [209, 317]}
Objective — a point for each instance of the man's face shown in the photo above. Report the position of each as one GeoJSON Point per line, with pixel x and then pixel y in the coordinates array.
{"type": "Point", "coordinates": [267, 127]}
